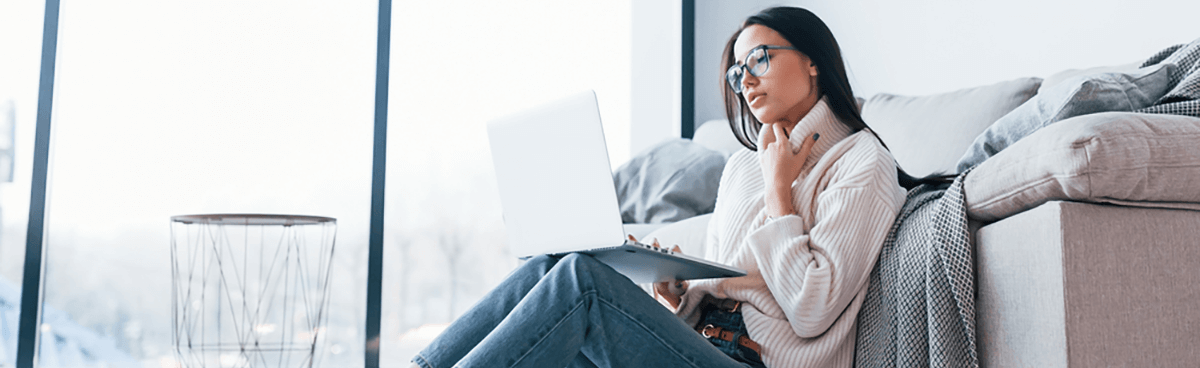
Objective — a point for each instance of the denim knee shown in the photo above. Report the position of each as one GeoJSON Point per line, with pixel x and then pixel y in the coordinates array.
{"type": "Point", "coordinates": [543, 262]}
{"type": "Point", "coordinates": [583, 270]}
{"type": "Point", "coordinates": [580, 263]}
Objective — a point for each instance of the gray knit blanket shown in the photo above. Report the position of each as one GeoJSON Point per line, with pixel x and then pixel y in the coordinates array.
{"type": "Point", "coordinates": [920, 305]}
{"type": "Point", "coordinates": [1184, 97]}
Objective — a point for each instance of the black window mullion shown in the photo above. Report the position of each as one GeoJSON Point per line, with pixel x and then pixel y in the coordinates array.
{"type": "Point", "coordinates": [687, 113]}
{"type": "Point", "coordinates": [378, 174]}
{"type": "Point", "coordinates": [31, 282]}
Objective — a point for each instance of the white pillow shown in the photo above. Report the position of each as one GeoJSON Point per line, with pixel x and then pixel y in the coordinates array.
{"type": "Point", "coordinates": [928, 134]}
{"type": "Point", "coordinates": [688, 234]}
{"type": "Point", "coordinates": [716, 135]}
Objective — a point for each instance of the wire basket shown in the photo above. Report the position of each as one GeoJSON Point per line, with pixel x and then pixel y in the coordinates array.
{"type": "Point", "coordinates": [250, 290]}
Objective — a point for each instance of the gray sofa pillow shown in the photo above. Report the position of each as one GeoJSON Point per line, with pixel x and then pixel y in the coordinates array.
{"type": "Point", "coordinates": [924, 133]}
{"type": "Point", "coordinates": [1126, 158]}
{"type": "Point", "coordinates": [671, 181]}
{"type": "Point", "coordinates": [1081, 95]}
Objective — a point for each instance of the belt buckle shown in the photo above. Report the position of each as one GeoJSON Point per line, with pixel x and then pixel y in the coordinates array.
{"type": "Point", "coordinates": [706, 329]}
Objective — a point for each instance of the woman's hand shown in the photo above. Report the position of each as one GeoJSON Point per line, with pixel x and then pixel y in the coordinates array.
{"type": "Point", "coordinates": [781, 163]}
{"type": "Point", "coordinates": [673, 290]}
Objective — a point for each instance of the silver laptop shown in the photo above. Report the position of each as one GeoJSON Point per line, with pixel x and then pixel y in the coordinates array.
{"type": "Point", "coordinates": [558, 196]}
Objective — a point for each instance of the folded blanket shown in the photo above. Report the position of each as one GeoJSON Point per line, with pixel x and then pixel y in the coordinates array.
{"type": "Point", "coordinates": [920, 305]}
{"type": "Point", "coordinates": [1184, 97]}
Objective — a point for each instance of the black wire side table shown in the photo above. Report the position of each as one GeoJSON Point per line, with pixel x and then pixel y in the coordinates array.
{"type": "Point", "coordinates": [250, 290]}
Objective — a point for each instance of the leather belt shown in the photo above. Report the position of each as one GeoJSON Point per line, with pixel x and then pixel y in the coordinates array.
{"type": "Point", "coordinates": [728, 305]}
{"type": "Point", "coordinates": [711, 331]}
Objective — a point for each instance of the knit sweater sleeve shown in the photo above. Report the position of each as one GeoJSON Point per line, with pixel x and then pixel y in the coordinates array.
{"type": "Point", "coordinates": [712, 237]}
{"type": "Point", "coordinates": [815, 274]}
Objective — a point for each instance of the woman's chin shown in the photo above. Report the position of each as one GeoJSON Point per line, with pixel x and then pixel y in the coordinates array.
{"type": "Point", "coordinates": [763, 116]}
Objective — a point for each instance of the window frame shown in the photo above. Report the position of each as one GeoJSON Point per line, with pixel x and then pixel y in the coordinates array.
{"type": "Point", "coordinates": [35, 263]}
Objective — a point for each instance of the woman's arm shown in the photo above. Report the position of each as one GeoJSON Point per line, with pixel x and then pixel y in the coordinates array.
{"type": "Point", "coordinates": [815, 274]}
{"type": "Point", "coordinates": [781, 163]}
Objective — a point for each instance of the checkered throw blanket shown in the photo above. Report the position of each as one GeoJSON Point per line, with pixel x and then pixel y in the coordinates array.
{"type": "Point", "coordinates": [920, 305]}
{"type": "Point", "coordinates": [1184, 97]}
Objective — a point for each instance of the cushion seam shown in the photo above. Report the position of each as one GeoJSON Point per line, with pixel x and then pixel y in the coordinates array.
{"type": "Point", "coordinates": [1010, 193]}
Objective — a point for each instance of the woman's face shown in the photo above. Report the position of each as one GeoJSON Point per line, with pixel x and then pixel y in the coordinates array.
{"type": "Point", "coordinates": [788, 90]}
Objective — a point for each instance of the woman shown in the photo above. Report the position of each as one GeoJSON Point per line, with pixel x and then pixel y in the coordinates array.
{"type": "Point", "coordinates": [805, 209]}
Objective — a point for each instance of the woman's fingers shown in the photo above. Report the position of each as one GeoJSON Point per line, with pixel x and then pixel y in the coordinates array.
{"type": "Point", "coordinates": [779, 132]}
{"type": "Point", "coordinates": [679, 287]}
{"type": "Point", "coordinates": [785, 144]}
{"type": "Point", "coordinates": [671, 290]}
{"type": "Point", "coordinates": [674, 288]}
{"type": "Point", "coordinates": [767, 137]}
{"type": "Point", "coordinates": [807, 147]}
{"type": "Point", "coordinates": [665, 290]}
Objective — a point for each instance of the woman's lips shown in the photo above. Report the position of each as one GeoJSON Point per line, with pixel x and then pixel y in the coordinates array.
{"type": "Point", "coordinates": [755, 98]}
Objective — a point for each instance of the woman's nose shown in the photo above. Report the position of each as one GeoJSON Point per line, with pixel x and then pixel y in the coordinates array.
{"type": "Point", "coordinates": [749, 80]}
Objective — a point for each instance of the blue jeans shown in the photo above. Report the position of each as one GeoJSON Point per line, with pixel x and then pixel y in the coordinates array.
{"type": "Point", "coordinates": [573, 311]}
{"type": "Point", "coordinates": [731, 321]}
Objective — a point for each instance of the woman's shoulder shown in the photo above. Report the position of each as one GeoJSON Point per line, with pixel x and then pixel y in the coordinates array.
{"type": "Point", "coordinates": [862, 156]}
{"type": "Point", "coordinates": [863, 145]}
{"type": "Point", "coordinates": [742, 159]}
{"type": "Point", "coordinates": [741, 169]}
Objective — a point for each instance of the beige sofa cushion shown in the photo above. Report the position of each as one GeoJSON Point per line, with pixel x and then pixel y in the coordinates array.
{"type": "Point", "coordinates": [928, 134]}
{"type": "Point", "coordinates": [1148, 160]}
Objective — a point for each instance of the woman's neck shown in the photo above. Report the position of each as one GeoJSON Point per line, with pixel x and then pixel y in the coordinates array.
{"type": "Point", "coordinates": [798, 112]}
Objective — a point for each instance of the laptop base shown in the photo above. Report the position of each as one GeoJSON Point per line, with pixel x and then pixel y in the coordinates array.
{"type": "Point", "coordinates": [643, 263]}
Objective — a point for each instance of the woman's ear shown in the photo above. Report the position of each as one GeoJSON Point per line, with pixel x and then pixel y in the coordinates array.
{"type": "Point", "coordinates": [812, 69]}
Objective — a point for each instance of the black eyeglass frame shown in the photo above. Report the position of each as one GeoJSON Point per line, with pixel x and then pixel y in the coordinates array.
{"type": "Point", "coordinates": [735, 82]}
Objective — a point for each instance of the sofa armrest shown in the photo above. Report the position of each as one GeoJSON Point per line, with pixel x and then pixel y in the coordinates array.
{"type": "Point", "coordinates": [1071, 284]}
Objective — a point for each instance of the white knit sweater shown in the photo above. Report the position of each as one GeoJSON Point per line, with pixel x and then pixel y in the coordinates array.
{"type": "Point", "coordinates": [807, 273]}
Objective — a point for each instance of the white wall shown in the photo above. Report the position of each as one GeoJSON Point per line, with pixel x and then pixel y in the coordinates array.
{"type": "Point", "coordinates": [932, 46]}
{"type": "Point", "coordinates": [655, 72]}
{"type": "Point", "coordinates": [715, 22]}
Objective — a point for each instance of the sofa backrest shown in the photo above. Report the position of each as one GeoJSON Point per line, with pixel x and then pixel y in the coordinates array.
{"type": "Point", "coordinates": [718, 136]}
{"type": "Point", "coordinates": [928, 134]}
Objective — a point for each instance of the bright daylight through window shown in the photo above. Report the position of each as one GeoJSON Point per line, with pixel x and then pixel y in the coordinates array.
{"type": "Point", "coordinates": [20, 47]}
{"type": "Point", "coordinates": [165, 109]}
{"type": "Point", "coordinates": [453, 68]}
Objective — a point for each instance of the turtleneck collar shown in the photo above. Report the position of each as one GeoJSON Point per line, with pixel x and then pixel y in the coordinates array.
{"type": "Point", "coordinates": [820, 120]}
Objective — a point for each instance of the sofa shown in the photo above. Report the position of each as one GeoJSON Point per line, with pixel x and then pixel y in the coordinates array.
{"type": "Point", "coordinates": [1086, 230]}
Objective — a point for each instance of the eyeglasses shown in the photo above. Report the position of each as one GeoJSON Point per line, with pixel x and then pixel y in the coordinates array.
{"type": "Point", "coordinates": [757, 63]}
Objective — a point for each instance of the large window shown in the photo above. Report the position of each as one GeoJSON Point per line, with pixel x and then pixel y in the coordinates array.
{"type": "Point", "coordinates": [20, 45]}
{"type": "Point", "coordinates": [176, 108]}
{"type": "Point", "coordinates": [169, 109]}
{"type": "Point", "coordinates": [455, 65]}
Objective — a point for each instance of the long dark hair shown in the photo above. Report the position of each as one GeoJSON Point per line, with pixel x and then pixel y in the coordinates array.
{"type": "Point", "coordinates": [810, 36]}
